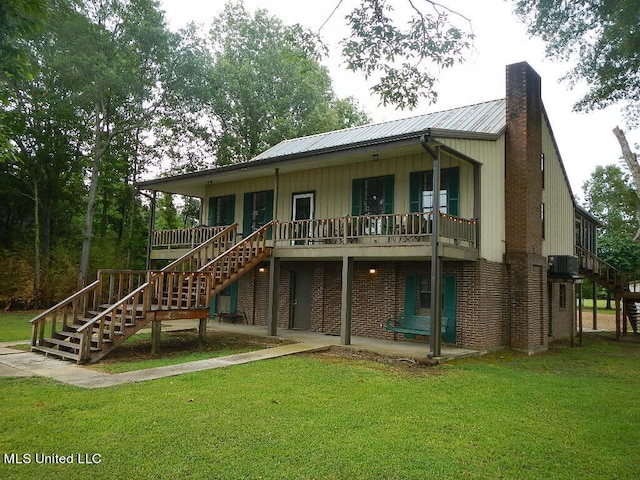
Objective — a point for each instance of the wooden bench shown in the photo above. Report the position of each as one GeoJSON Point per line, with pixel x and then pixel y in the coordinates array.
{"type": "Point", "coordinates": [233, 317]}
{"type": "Point", "coordinates": [412, 325]}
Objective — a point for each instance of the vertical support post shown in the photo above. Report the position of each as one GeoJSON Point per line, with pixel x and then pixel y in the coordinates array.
{"type": "Point", "coordinates": [435, 339]}
{"type": "Point", "coordinates": [618, 332]}
{"type": "Point", "coordinates": [202, 329]}
{"type": "Point", "coordinates": [625, 317]}
{"type": "Point", "coordinates": [579, 310]}
{"type": "Point", "coordinates": [156, 329]}
{"type": "Point", "coordinates": [274, 282]}
{"type": "Point", "coordinates": [276, 188]}
{"type": "Point", "coordinates": [345, 305]}
{"type": "Point", "coordinates": [595, 305]}
{"type": "Point", "coordinates": [152, 221]}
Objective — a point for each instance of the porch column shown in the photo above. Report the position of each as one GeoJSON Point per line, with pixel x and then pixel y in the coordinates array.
{"type": "Point", "coordinates": [435, 338]}
{"type": "Point", "coordinates": [595, 305]}
{"type": "Point", "coordinates": [276, 188]}
{"type": "Point", "coordinates": [618, 319]}
{"type": "Point", "coordinates": [152, 221]}
{"type": "Point", "coordinates": [345, 305]}
{"type": "Point", "coordinates": [202, 329]}
{"type": "Point", "coordinates": [274, 282]}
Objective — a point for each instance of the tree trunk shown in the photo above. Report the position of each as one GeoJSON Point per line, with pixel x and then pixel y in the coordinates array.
{"type": "Point", "coordinates": [98, 151]}
{"type": "Point", "coordinates": [37, 286]}
{"type": "Point", "coordinates": [631, 159]}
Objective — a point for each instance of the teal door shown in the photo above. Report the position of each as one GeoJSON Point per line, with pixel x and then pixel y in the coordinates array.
{"type": "Point", "coordinates": [449, 303]}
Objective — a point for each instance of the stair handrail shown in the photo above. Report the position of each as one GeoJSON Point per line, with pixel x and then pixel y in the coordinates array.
{"type": "Point", "coordinates": [192, 253]}
{"type": "Point", "coordinates": [617, 278]}
{"type": "Point", "coordinates": [62, 303]}
{"type": "Point", "coordinates": [146, 289]}
{"type": "Point", "coordinates": [85, 339]}
{"type": "Point", "coordinates": [242, 243]}
{"type": "Point", "coordinates": [38, 334]}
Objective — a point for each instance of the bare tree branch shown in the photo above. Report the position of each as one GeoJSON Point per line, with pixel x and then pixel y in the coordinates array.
{"type": "Point", "coordinates": [631, 159]}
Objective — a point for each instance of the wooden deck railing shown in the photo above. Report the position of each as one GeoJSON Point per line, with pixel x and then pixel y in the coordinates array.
{"type": "Point", "coordinates": [161, 291]}
{"type": "Point", "coordinates": [393, 227]}
{"type": "Point", "coordinates": [110, 286]}
{"type": "Point", "coordinates": [231, 264]}
{"type": "Point", "coordinates": [590, 263]}
{"type": "Point", "coordinates": [207, 251]}
{"type": "Point", "coordinates": [183, 238]}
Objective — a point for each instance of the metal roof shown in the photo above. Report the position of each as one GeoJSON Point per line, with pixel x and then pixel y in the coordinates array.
{"type": "Point", "coordinates": [483, 120]}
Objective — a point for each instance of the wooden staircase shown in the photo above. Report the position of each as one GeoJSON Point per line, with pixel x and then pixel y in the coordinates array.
{"type": "Point", "coordinates": [92, 322]}
{"type": "Point", "coordinates": [604, 274]}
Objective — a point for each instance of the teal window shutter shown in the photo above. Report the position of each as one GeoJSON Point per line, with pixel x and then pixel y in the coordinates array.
{"type": "Point", "coordinates": [410, 293]}
{"type": "Point", "coordinates": [357, 189]}
{"type": "Point", "coordinates": [211, 219]}
{"type": "Point", "coordinates": [246, 214]}
{"type": "Point", "coordinates": [389, 182]}
{"type": "Point", "coordinates": [231, 209]}
{"type": "Point", "coordinates": [268, 214]}
{"type": "Point", "coordinates": [452, 176]}
{"type": "Point", "coordinates": [415, 191]}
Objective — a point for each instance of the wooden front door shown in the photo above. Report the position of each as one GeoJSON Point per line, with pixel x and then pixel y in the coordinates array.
{"type": "Point", "coordinates": [301, 299]}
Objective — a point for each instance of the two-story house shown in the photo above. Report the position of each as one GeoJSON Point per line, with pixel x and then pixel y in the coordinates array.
{"type": "Point", "coordinates": [464, 215]}
{"type": "Point", "coordinates": [361, 200]}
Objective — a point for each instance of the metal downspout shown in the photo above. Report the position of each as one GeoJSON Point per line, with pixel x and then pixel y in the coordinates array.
{"type": "Point", "coordinates": [435, 337]}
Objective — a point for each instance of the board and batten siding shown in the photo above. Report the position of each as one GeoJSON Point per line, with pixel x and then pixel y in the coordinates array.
{"type": "Point", "coordinates": [490, 154]}
{"type": "Point", "coordinates": [332, 187]}
{"type": "Point", "coordinates": [556, 195]}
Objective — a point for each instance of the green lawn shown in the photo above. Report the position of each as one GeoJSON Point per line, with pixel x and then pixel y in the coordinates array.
{"type": "Point", "coordinates": [16, 326]}
{"type": "Point", "coordinates": [602, 304]}
{"type": "Point", "coordinates": [566, 414]}
{"type": "Point", "coordinates": [176, 347]}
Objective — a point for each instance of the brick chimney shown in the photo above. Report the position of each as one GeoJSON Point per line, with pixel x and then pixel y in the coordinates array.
{"type": "Point", "coordinates": [527, 298]}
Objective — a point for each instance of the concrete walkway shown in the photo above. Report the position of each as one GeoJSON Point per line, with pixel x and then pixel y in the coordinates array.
{"type": "Point", "coordinates": [17, 363]}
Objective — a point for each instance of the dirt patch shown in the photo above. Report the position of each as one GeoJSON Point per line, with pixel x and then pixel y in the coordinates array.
{"type": "Point", "coordinates": [354, 357]}
{"type": "Point", "coordinates": [184, 342]}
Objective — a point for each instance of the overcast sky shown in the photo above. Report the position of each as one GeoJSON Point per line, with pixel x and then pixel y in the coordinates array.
{"type": "Point", "coordinates": [584, 140]}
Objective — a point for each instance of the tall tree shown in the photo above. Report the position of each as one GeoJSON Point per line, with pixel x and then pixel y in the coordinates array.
{"type": "Point", "coordinates": [602, 40]}
{"type": "Point", "coordinates": [404, 55]}
{"type": "Point", "coordinates": [610, 196]}
{"type": "Point", "coordinates": [268, 85]}
{"type": "Point", "coordinates": [110, 56]}
{"type": "Point", "coordinates": [18, 19]}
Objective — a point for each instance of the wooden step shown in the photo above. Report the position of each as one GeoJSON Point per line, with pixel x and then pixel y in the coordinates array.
{"type": "Point", "coordinates": [62, 343]}
{"type": "Point", "coordinates": [59, 353]}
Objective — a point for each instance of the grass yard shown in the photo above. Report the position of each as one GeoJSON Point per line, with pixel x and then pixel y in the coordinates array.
{"type": "Point", "coordinates": [602, 305]}
{"type": "Point", "coordinates": [15, 326]}
{"type": "Point", "coordinates": [566, 414]}
{"type": "Point", "coordinates": [135, 354]}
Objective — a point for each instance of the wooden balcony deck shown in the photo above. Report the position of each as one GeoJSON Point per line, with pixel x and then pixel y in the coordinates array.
{"type": "Point", "coordinates": [389, 235]}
